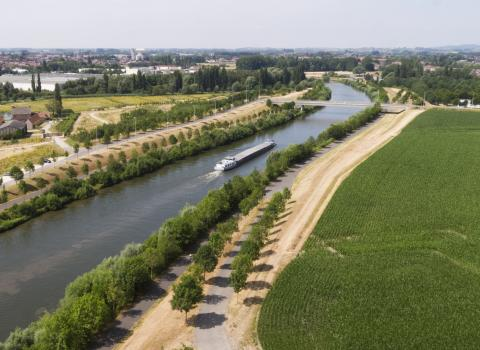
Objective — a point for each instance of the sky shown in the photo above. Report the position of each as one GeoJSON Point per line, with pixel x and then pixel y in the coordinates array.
{"type": "Point", "coordinates": [238, 24]}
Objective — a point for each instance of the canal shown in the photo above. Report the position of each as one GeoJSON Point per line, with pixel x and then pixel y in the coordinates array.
{"type": "Point", "coordinates": [38, 259]}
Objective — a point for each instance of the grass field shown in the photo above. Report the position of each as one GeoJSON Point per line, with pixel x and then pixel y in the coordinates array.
{"type": "Point", "coordinates": [80, 104]}
{"type": "Point", "coordinates": [33, 155]}
{"type": "Point", "coordinates": [394, 262]}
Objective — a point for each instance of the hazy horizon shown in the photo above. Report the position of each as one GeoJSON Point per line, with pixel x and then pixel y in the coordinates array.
{"type": "Point", "coordinates": [215, 24]}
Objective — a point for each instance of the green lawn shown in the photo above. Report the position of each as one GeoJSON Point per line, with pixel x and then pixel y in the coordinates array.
{"type": "Point", "coordinates": [407, 226]}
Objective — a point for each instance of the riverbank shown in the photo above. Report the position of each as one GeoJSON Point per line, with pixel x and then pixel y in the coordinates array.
{"type": "Point", "coordinates": [77, 238]}
{"type": "Point", "coordinates": [210, 332]}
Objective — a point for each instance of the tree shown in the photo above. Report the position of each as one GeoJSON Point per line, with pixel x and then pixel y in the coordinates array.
{"type": "Point", "coordinates": [178, 80]}
{"type": "Point", "coordinates": [122, 157]}
{"type": "Point", "coordinates": [206, 258]}
{"type": "Point", "coordinates": [241, 266]}
{"type": "Point", "coordinates": [71, 172]}
{"type": "Point", "coordinates": [34, 89]}
{"type": "Point", "coordinates": [39, 83]}
{"type": "Point", "coordinates": [106, 139]}
{"type": "Point", "coordinates": [22, 186]}
{"type": "Point", "coordinates": [3, 196]}
{"type": "Point", "coordinates": [29, 166]}
{"type": "Point", "coordinates": [85, 169]}
{"type": "Point", "coordinates": [172, 139]}
{"type": "Point", "coordinates": [187, 293]}
{"type": "Point", "coordinates": [57, 102]}
{"type": "Point", "coordinates": [54, 156]}
{"type": "Point", "coordinates": [88, 144]}
{"type": "Point", "coordinates": [153, 259]}
{"type": "Point", "coordinates": [16, 173]}
{"type": "Point", "coordinates": [40, 182]}
{"type": "Point", "coordinates": [76, 148]}
{"type": "Point", "coordinates": [145, 147]}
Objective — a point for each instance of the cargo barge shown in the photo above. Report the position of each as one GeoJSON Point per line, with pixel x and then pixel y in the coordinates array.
{"type": "Point", "coordinates": [231, 162]}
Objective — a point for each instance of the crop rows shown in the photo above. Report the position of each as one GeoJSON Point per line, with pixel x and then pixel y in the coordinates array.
{"type": "Point", "coordinates": [406, 227]}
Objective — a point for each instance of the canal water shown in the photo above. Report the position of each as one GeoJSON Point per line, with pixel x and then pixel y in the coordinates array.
{"type": "Point", "coordinates": [38, 259]}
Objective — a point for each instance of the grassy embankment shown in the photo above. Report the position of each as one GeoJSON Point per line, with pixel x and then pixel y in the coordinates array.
{"type": "Point", "coordinates": [393, 262]}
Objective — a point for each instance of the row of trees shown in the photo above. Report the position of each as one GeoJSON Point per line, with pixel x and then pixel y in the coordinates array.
{"type": "Point", "coordinates": [154, 158]}
{"type": "Point", "coordinates": [325, 62]}
{"type": "Point", "coordinates": [207, 79]}
{"type": "Point", "coordinates": [148, 119]}
{"type": "Point", "coordinates": [250, 250]}
{"type": "Point", "coordinates": [93, 299]}
{"type": "Point", "coordinates": [188, 291]}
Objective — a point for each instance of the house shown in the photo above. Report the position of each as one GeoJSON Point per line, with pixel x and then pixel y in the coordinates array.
{"type": "Point", "coordinates": [35, 120]}
{"type": "Point", "coordinates": [21, 113]}
{"type": "Point", "coordinates": [12, 127]}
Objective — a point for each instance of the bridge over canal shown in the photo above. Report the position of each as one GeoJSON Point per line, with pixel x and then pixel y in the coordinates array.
{"type": "Point", "coordinates": [386, 107]}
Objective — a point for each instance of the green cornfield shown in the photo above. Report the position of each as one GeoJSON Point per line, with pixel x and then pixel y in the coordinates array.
{"type": "Point", "coordinates": [404, 271]}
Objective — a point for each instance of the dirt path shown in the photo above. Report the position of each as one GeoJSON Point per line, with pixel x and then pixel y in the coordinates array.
{"type": "Point", "coordinates": [312, 190]}
{"type": "Point", "coordinates": [163, 328]}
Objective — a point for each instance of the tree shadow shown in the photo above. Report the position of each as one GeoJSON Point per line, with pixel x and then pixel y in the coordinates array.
{"type": "Point", "coordinates": [271, 241]}
{"type": "Point", "coordinates": [258, 285]}
{"type": "Point", "coordinates": [209, 320]}
{"type": "Point", "coordinates": [262, 268]}
{"type": "Point", "coordinates": [266, 253]}
{"type": "Point", "coordinates": [213, 299]}
{"type": "Point", "coordinates": [250, 301]}
{"type": "Point", "coordinates": [114, 335]}
{"type": "Point", "coordinates": [275, 232]}
{"type": "Point", "coordinates": [226, 266]}
{"type": "Point", "coordinates": [288, 213]}
{"type": "Point", "coordinates": [170, 276]}
{"type": "Point", "coordinates": [218, 281]}
{"type": "Point", "coordinates": [231, 254]}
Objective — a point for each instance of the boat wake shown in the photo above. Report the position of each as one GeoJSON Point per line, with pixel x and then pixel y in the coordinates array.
{"type": "Point", "coordinates": [210, 176]}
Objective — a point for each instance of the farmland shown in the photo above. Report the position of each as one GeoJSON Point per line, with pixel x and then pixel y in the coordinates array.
{"type": "Point", "coordinates": [81, 104]}
{"type": "Point", "coordinates": [393, 262]}
{"type": "Point", "coordinates": [33, 155]}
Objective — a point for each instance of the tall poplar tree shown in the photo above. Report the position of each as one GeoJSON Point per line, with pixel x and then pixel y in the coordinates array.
{"type": "Point", "coordinates": [33, 84]}
{"type": "Point", "coordinates": [57, 102]}
{"type": "Point", "coordinates": [39, 83]}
